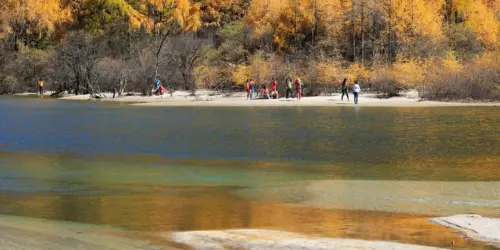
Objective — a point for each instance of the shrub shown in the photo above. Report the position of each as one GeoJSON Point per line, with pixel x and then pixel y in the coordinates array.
{"type": "Point", "coordinates": [9, 84]}
{"type": "Point", "coordinates": [477, 80]}
{"type": "Point", "coordinates": [329, 75]}
{"type": "Point", "coordinates": [384, 82]}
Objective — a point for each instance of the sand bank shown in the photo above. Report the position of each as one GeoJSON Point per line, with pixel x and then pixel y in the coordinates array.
{"type": "Point", "coordinates": [474, 226]}
{"type": "Point", "coordinates": [416, 197]}
{"type": "Point", "coordinates": [19, 233]}
{"type": "Point", "coordinates": [266, 239]}
{"type": "Point", "coordinates": [207, 98]}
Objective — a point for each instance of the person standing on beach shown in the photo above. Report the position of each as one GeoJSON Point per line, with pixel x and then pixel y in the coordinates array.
{"type": "Point", "coordinates": [298, 89]}
{"type": "Point", "coordinates": [355, 90]}
{"type": "Point", "coordinates": [252, 88]}
{"type": "Point", "coordinates": [40, 86]}
{"type": "Point", "coordinates": [274, 88]}
{"type": "Point", "coordinates": [273, 84]}
{"type": "Point", "coordinates": [247, 88]}
{"type": "Point", "coordinates": [289, 87]}
{"type": "Point", "coordinates": [344, 90]}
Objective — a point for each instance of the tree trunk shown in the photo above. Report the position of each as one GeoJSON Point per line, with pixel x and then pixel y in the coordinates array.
{"type": "Point", "coordinates": [158, 59]}
{"type": "Point", "coordinates": [353, 31]}
{"type": "Point", "coordinates": [389, 59]}
{"type": "Point", "coordinates": [122, 86]}
{"type": "Point", "coordinates": [362, 32]}
{"type": "Point", "coordinates": [77, 87]}
{"type": "Point", "coordinates": [314, 16]}
{"type": "Point", "coordinates": [448, 11]}
{"type": "Point", "coordinates": [295, 24]}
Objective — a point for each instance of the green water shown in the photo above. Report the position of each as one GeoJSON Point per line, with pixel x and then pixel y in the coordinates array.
{"type": "Point", "coordinates": [161, 169]}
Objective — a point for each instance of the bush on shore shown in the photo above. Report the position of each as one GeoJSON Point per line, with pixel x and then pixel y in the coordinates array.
{"type": "Point", "coordinates": [478, 80]}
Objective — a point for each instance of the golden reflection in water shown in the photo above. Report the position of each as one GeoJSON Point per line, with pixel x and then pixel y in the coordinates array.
{"type": "Point", "coordinates": [213, 209]}
{"type": "Point", "coordinates": [468, 167]}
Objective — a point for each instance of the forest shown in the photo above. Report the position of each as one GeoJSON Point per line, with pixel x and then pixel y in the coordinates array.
{"type": "Point", "coordinates": [444, 49]}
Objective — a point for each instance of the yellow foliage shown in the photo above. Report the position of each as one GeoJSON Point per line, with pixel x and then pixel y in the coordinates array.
{"type": "Point", "coordinates": [240, 74]}
{"type": "Point", "coordinates": [409, 74]}
{"type": "Point", "coordinates": [262, 14]}
{"type": "Point", "coordinates": [212, 14]}
{"type": "Point", "coordinates": [328, 72]}
{"type": "Point", "coordinates": [491, 59]}
{"type": "Point", "coordinates": [357, 72]}
{"type": "Point", "coordinates": [137, 20]}
{"type": "Point", "coordinates": [42, 15]}
{"type": "Point", "coordinates": [259, 68]}
{"type": "Point", "coordinates": [287, 19]}
{"type": "Point", "coordinates": [205, 76]}
{"type": "Point", "coordinates": [417, 17]}
{"type": "Point", "coordinates": [450, 62]}
{"type": "Point", "coordinates": [481, 19]}
{"type": "Point", "coordinates": [187, 15]}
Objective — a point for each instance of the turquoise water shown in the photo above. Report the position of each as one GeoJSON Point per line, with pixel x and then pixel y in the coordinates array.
{"type": "Point", "coordinates": [109, 164]}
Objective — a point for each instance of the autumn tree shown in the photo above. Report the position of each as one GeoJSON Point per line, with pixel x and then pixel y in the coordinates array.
{"type": "Point", "coordinates": [180, 16]}
{"type": "Point", "coordinates": [185, 53]}
{"type": "Point", "coordinates": [31, 22]}
{"type": "Point", "coordinates": [217, 13]}
{"type": "Point", "coordinates": [80, 54]}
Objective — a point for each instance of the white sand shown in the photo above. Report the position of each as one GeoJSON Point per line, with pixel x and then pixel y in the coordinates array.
{"type": "Point", "coordinates": [45, 93]}
{"type": "Point", "coordinates": [416, 197]}
{"type": "Point", "coordinates": [206, 98]}
{"type": "Point", "coordinates": [266, 239]}
{"type": "Point", "coordinates": [474, 226]}
{"type": "Point", "coordinates": [19, 233]}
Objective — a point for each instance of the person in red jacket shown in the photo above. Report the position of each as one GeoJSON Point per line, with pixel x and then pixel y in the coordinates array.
{"type": "Point", "coordinates": [273, 84]}
{"type": "Point", "coordinates": [274, 89]}
{"type": "Point", "coordinates": [298, 89]}
{"type": "Point", "coordinates": [247, 88]}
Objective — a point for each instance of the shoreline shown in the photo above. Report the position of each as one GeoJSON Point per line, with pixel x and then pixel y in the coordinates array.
{"type": "Point", "coordinates": [473, 226]}
{"type": "Point", "coordinates": [271, 239]}
{"type": "Point", "coordinates": [238, 99]}
{"type": "Point", "coordinates": [23, 233]}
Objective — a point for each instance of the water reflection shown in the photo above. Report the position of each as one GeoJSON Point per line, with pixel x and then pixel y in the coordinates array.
{"type": "Point", "coordinates": [217, 210]}
{"type": "Point", "coordinates": [356, 111]}
{"type": "Point", "coordinates": [334, 134]}
{"type": "Point", "coordinates": [162, 169]}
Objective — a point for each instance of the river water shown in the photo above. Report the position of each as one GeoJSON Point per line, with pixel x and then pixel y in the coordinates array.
{"type": "Point", "coordinates": [196, 168]}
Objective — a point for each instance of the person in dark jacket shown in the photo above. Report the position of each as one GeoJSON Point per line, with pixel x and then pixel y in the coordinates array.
{"type": "Point", "coordinates": [344, 89]}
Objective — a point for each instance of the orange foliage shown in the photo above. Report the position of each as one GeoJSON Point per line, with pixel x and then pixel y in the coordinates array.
{"type": "Point", "coordinates": [42, 15]}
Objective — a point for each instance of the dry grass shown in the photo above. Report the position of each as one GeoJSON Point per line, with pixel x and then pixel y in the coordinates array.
{"type": "Point", "coordinates": [478, 80]}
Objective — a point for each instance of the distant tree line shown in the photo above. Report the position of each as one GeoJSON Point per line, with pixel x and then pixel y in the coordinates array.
{"type": "Point", "coordinates": [445, 49]}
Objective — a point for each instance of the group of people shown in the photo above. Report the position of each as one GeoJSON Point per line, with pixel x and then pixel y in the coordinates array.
{"type": "Point", "coordinates": [355, 90]}
{"type": "Point", "coordinates": [272, 91]}
{"type": "Point", "coordinates": [159, 89]}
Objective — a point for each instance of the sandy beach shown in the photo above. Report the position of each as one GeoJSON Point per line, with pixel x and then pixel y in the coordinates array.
{"type": "Point", "coordinates": [279, 240]}
{"type": "Point", "coordinates": [474, 227]}
{"type": "Point", "coordinates": [21, 233]}
{"type": "Point", "coordinates": [208, 98]}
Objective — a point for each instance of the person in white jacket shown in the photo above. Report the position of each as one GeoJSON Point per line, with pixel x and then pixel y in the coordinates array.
{"type": "Point", "coordinates": [356, 89]}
